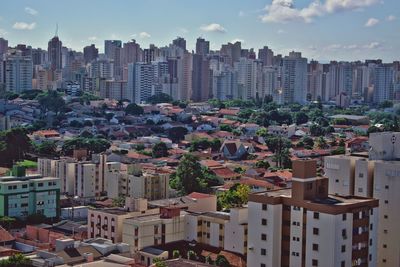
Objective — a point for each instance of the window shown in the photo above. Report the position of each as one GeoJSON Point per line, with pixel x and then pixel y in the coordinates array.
{"type": "Point", "coordinates": [344, 234]}
{"type": "Point", "coordinates": [361, 175]}
{"type": "Point", "coordinates": [208, 235]}
{"type": "Point", "coordinates": [220, 237]}
{"type": "Point", "coordinates": [296, 208]}
{"type": "Point", "coordinates": [385, 216]}
{"type": "Point", "coordinates": [9, 187]}
{"type": "Point", "coordinates": [386, 186]}
{"type": "Point", "coordinates": [343, 264]}
{"type": "Point", "coordinates": [316, 215]}
{"type": "Point", "coordinates": [263, 265]}
{"type": "Point", "coordinates": [264, 206]}
{"type": "Point", "coordinates": [40, 184]}
{"type": "Point", "coordinates": [360, 190]}
{"type": "Point", "coordinates": [208, 224]}
{"type": "Point", "coordinates": [384, 246]}
{"type": "Point", "coordinates": [221, 227]}
{"type": "Point", "coordinates": [199, 222]}
{"type": "Point", "coordinates": [371, 227]}
{"type": "Point", "coordinates": [344, 217]}
{"type": "Point", "coordinates": [337, 180]}
{"type": "Point", "coordinates": [263, 252]}
{"type": "Point", "coordinates": [344, 248]}
{"type": "Point", "coordinates": [314, 262]}
{"type": "Point", "coordinates": [386, 201]}
{"type": "Point", "coordinates": [315, 231]}
{"type": "Point", "coordinates": [24, 186]}
{"type": "Point", "coordinates": [264, 221]}
{"type": "Point", "coordinates": [263, 237]}
{"type": "Point", "coordinates": [315, 247]}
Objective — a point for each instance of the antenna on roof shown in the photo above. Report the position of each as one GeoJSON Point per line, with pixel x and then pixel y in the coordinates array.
{"type": "Point", "coordinates": [56, 35]}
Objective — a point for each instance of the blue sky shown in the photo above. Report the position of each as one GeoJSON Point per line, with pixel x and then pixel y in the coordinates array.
{"type": "Point", "coordinates": [321, 29]}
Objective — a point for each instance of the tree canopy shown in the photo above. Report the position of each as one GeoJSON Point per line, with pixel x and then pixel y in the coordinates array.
{"type": "Point", "coordinates": [160, 150]}
{"type": "Point", "coordinates": [93, 145]}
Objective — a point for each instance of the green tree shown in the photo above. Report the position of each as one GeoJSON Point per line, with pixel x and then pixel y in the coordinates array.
{"type": "Point", "coordinates": [14, 144]}
{"type": "Point", "coordinates": [75, 124]}
{"type": "Point", "coordinates": [160, 150]}
{"type": "Point", "coordinates": [119, 201]}
{"type": "Point", "coordinates": [6, 222]}
{"type": "Point", "coordinates": [51, 101]}
{"type": "Point", "coordinates": [208, 260]}
{"type": "Point", "coordinates": [159, 262]}
{"type": "Point", "coordinates": [47, 148]}
{"type": "Point", "coordinates": [236, 196]}
{"type": "Point", "coordinates": [263, 132]}
{"type": "Point", "coordinates": [191, 255]}
{"type": "Point", "coordinates": [159, 98]}
{"type": "Point", "coordinates": [134, 109]}
{"type": "Point", "coordinates": [93, 145]}
{"type": "Point", "coordinates": [16, 260]}
{"type": "Point", "coordinates": [262, 164]}
{"type": "Point", "coordinates": [317, 130]}
{"type": "Point", "coordinates": [189, 173]}
{"type": "Point", "coordinates": [301, 117]}
{"type": "Point", "coordinates": [176, 254]}
{"type": "Point", "coordinates": [321, 142]}
{"type": "Point", "coordinates": [177, 134]}
{"type": "Point", "coordinates": [222, 261]}
{"type": "Point", "coordinates": [307, 141]}
{"type": "Point", "coordinates": [226, 127]}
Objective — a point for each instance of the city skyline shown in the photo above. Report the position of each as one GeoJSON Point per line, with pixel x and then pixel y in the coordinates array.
{"type": "Point", "coordinates": [284, 25]}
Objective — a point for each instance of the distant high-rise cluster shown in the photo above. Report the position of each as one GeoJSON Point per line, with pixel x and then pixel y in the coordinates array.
{"type": "Point", "coordinates": [128, 71]}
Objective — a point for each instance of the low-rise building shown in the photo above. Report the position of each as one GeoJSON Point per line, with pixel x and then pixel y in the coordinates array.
{"type": "Point", "coordinates": [22, 195]}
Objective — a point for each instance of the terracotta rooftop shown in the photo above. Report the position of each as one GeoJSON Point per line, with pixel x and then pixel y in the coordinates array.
{"type": "Point", "coordinates": [196, 195]}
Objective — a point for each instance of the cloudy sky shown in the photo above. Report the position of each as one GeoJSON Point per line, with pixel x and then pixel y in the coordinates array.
{"type": "Point", "coordinates": [321, 29]}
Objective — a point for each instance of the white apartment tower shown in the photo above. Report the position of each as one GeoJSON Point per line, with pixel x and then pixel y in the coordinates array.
{"type": "Point", "coordinates": [377, 177]}
{"type": "Point", "coordinates": [294, 78]}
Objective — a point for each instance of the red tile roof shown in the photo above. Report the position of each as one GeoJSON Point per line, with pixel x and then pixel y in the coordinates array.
{"type": "Point", "coordinates": [225, 173]}
{"type": "Point", "coordinates": [231, 112]}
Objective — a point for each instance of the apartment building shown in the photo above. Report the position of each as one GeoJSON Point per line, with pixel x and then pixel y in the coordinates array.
{"type": "Point", "coordinates": [304, 226]}
{"type": "Point", "coordinates": [108, 223]}
{"type": "Point", "coordinates": [156, 229]}
{"type": "Point", "coordinates": [219, 229]}
{"type": "Point", "coordinates": [22, 195]}
{"type": "Point", "coordinates": [377, 177]}
{"type": "Point", "coordinates": [85, 179]}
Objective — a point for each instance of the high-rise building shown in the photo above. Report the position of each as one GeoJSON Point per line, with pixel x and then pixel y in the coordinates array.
{"type": "Point", "coordinates": [383, 83]}
{"type": "Point", "coordinates": [304, 226]}
{"type": "Point", "coordinates": [150, 54]}
{"type": "Point", "coordinates": [184, 73]}
{"type": "Point", "coordinates": [3, 47]}
{"type": "Point", "coordinates": [18, 72]}
{"type": "Point", "coordinates": [294, 78]}
{"type": "Point", "coordinates": [200, 78]}
{"type": "Point", "coordinates": [140, 81]}
{"type": "Point", "coordinates": [101, 68]}
{"type": "Point", "coordinates": [131, 53]}
{"type": "Point", "coordinates": [90, 53]}
{"type": "Point", "coordinates": [315, 85]}
{"type": "Point", "coordinates": [202, 46]}
{"type": "Point", "coordinates": [55, 53]}
{"type": "Point", "coordinates": [232, 51]}
{"type": "Point", "coordinates": [180, 42]}
{"type": "Point", "coordinates": [377, 177]}
{"type": "Point", "coordinates": [246, 70]}
{"type": "Point", "coordinates": [266, 56]}
{"type": "Point", "coordinates": [270, 84]}
{"type": "Point", "coordinates": [112, 50]}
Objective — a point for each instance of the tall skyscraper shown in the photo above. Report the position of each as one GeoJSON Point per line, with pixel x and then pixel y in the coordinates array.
{"type": "Point", "coordinates": [3, 47]}
{"type": "Point", "coordinates": [202, 46]}
{"type": "Point", "coordinates": [140, 81]}
{"type": "Point", "coordinates": [383, 83]}
{"type": "Point", "coordinates": [200, 78]}
{"type": "Point", "coordinates": [246, 77]}
{"type": "Point", "coordinates": [266, 56]}
{"type": "Point", "coordinates": [90, 53]}
{"type": "Point", "coordinates": [294, 78]}
{"type": "Point", "coordinates": [112, 50]}
{"type": "Point", "coordinates": [180, 42]}
{"type": "Point", "coordinates": [232, 51]}
{"type": "Point", "coordinates": [18, 72]}
{"type": "Point", "coordinates": [315, 85]}
{"type": "Point", "coordinates": [54, 53]}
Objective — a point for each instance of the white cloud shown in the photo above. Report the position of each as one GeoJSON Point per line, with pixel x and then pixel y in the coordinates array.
{"type": "Point", "coordinates": [213, 27]}
{"type": "Point", "coordinates": [282, 11]}
{"type": "Point", "coordinates": [92, 38]}
{"type": "Point", "coordinates": [2, 32]}
{"type": "Point", "coordinates": [144, 35]}
{"type": "Point", "coordinates": [24, 26]}
{"type": "Point", "coordinates": [391, 18]}
{"type": "Point", "coordinates": [373, 45]}
{"type": "Point", "coordinates": [237, 40]}
{"type": "Point", "coordinates": [31, 11]}
{"type": "Point", "coordinates": [371, 22]}
{"type": "Point", "coordinates": [241, 13]}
